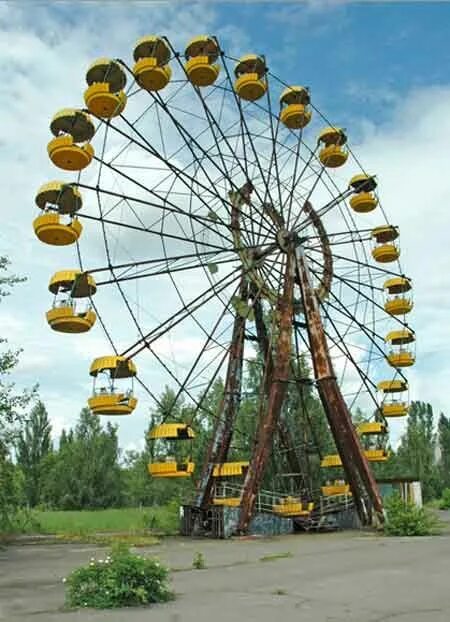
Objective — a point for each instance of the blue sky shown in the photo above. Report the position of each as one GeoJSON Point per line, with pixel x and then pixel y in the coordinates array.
{"type": "Point", "coordinates": [379, 69]}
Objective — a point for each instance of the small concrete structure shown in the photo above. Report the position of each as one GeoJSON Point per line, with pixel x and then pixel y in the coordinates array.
{"type": "Point", "coordinates": [409, 489]}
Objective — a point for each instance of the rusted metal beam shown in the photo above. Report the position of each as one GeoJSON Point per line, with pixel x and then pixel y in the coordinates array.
{"type": "Point", "coordinates": [284, 433]}
{"type": "Point", "coordinates": [224, 423]}
{"type": "Point", "coordinates": [270, 409]}
{"type": "Point", "coordinates": [354, 462]}
{"type": "Point", "coordinates": [219, 444]}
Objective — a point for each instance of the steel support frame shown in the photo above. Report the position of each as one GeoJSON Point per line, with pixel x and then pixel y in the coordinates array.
{"type": "Point", "coordinates": [354, 462]}
{"type": "Point", "coordinates": [270, 407]}
{"type": "Point", "coordinates": [219, 444]}
{"type": "Point", "coordinates": [284, 433]}
{"type": "Point", "coordinates": [224, 423]}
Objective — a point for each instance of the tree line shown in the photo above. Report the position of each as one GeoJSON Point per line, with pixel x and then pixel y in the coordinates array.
{"type": "Point", "coordinates": [86, 469]}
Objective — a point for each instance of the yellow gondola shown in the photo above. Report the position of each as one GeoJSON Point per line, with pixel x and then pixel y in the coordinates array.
{"type": "Point", "coordinates": [400, 356]}
{"type": "Point", "coordinates": [105, 96]}
{"type": "Point", "coordinates": [294, 103]}
{"type": "Point", "coordinates": [151, 69]}
{"type": "Point", "coordinates": [332, 153]}
{"type": "Point", "coordinates": [70, 149]}
{"type": "Point", "coordinates": [250, 72]}
{"type": "Point", "coordinates": [50, 228]}
{"type": "Point", "coordinates": [201, 54]}
{"type": "Point", "coordinates": [364, 200]}
{"type": "Point", "coordinates": [108, 400]}
{"type": "Point", "coordinates": [385, 250]}
{"type": "Point", "coordinates": [392, 407]}
{"type": "Point", "coordinates": [396, 302]}
{"type": "Point", "coordinates": [67, 315]}
{"type": "Point", "coordinates": [171, 469]}
{"type": "Point", "coordinates": [170, 466]}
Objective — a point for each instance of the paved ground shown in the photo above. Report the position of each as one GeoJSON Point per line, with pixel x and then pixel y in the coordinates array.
{"type": "Point", "coordinates": [330, 577]}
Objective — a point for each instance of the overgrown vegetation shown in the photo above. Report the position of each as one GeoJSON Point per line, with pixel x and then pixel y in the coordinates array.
{"type": "Point", "coordinates": [121, 579]}
{"type": "Point", "coordinates": [406, 519]}
{"type": "Point", "coordinates": [199, 563]}
{"type": "Point", "coordinates": [12, 405]}
{"type": "Point", "coordinates": [445, 501]}
{"type": "Point", "coordinates": [162, 520]}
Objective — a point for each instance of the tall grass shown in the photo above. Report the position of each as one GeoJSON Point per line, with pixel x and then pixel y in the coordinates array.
{"type": "Point", "coordinates": [163, 520]}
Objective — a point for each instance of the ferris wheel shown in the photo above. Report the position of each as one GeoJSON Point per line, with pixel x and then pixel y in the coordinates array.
{"type": "Point", "coordinates": [216, 216]}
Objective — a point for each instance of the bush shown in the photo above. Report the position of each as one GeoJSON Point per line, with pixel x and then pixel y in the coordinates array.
{"type": "Point", "coordinates": [199, 561]}
{"type": "Point", "coordinates": [19, 520]}
{"type": "Point", "coordinates": [406, 519]}
{"type": "Point", "coordinates": [445, 500]}
{"type": "Point", "coordinates": [120, 580]}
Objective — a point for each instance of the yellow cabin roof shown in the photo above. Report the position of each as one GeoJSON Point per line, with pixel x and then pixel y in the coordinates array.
{"type": "Point", "coordinates": [74, 122]}
{"type": "Point", "coordinates": [107, 70]}
{"type": "Point", "coordinates": [332, 136]}
{"type": "Point", "coordinates": [80, 283]}
{"type": "Point", "coordinates": [203, 45]}
{"type": "Point", "coordinates": [66, 196]}
{"type": "Point", "coordinates": [371, 427]}
{"type": "Point", "coordinates": [118, 366]}
{"type": "Point", "coordinates": [392, 386]}
{"type": "Point", "coordinates": [333, 460]}
{"type": "Point", "coordinates": [229, 469]}
{"type": "Point", "coordinates": [152, 46]}
{"type": "Point", "coordinates": [295, 95]}
{"type": "Point", "coordinates": [385, 233]}
{"type": "Point", "coordinates": [180, 431]}
{"type": "Point", "coordinates": [250, 63]}
{"type": "Point", "coordinates": [397, 285]}
{"type": "Point", "coordinates": [400, 337]}
{"type": "Point", "coordinates": [363, 182]}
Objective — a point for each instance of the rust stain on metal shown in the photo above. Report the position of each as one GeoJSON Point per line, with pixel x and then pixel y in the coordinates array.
{"type": "Point", "coordinates": [347, 441]}
{"type": "Point", "coordinates": [264, 346]}
{"type": "Point", "coordinates": [270, 409]}
{"type": "Point", "coordinates": [219, 445]}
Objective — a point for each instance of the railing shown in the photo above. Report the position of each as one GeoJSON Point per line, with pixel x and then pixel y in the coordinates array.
{"type": "Point", "coordinates": [266, 499]}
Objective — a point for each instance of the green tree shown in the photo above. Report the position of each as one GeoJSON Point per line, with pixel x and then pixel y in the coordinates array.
{"type": "Point", "coordinates": [444, 447]}
{"type": "Point", "coordinates": [12, 403]}
{"type": "Point", "coordinates": [416, 453]}
{"type": "Point", "coordinates": [86, 471]}
{"type": "Point", "coordinates": [32, 447]}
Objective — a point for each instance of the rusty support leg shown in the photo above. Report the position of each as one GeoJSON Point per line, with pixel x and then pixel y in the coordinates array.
{"type": "Point", "coordinates": [223, 427]}
{"type": "Point", "coordinates": [355, 464]}
{"type": "Point", "coordinates": [270, 409]}
{"type": "Point", "coordinates": [284, 433]}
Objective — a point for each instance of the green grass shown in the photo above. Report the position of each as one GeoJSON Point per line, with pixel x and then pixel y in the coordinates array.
{"type": "Point", "coordinates": [158, 520]}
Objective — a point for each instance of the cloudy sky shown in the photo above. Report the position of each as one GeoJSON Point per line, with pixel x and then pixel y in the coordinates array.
{"type": "Point", "coordinates": [379, 70]}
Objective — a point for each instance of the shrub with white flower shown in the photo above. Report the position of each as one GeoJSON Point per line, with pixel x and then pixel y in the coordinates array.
{"type": "Point", "coordinates": [120, 580]}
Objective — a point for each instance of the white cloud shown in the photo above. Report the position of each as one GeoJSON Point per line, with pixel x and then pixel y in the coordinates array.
{"type": "Point", "coordinates": [44, 59]}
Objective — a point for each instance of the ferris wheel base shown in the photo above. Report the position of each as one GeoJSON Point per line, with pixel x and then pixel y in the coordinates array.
{"type": "Point", "coordinates": [221, 521]}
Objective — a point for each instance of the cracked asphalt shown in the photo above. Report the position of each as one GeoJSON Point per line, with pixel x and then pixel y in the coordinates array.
{"type": "Point", "coordinates": [348, 576]}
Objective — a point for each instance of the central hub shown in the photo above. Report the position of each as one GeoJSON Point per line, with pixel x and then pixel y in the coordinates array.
{"type": "Point", "coordinates": [284, 239]}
